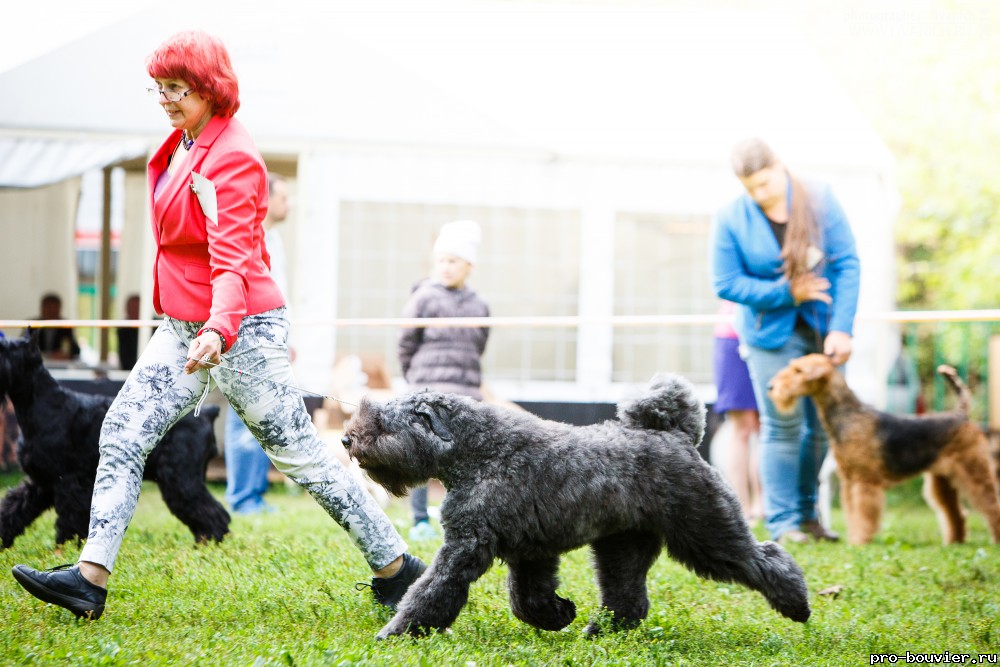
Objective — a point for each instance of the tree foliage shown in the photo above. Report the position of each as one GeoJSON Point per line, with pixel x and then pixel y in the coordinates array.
{"type": "Point", "coordinates": [925, 74]}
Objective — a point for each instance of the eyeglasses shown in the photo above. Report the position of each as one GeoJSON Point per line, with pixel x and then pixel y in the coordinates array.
{"type": "Point", "coordinates": [169, 95]}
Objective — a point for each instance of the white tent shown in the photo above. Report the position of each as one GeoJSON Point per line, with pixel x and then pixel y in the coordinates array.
{"type": "Point", "coordinates": [614, 117]}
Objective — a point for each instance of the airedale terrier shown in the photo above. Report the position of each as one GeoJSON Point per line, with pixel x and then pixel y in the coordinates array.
{"type": "Point", "coordinates": [875, 450]}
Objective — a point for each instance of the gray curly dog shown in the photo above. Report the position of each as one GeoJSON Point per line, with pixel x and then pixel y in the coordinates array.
{"type": "Point", "coordinates": [526, 490]}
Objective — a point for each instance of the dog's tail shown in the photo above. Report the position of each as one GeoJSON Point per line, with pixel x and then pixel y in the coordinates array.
{"type": "Point", "coordinates": [957, 386]}
{"type": "Point", "coordinates": [669, 404]}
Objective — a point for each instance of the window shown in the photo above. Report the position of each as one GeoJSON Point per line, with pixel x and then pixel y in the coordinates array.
{"type": "Point", "coordinates": [661, 268]}
{"type": "Point", "coordinates": [528, 266]}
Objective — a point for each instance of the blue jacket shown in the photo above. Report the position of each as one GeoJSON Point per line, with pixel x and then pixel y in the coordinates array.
{"type": "Point", "coordinates": [746, 267]}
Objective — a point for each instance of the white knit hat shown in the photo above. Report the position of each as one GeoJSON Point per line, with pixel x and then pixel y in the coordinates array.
{"type": "Point", "coordinates": [460, 238]}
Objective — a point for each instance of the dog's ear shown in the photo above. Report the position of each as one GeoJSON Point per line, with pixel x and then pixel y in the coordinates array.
{"type": "Point", "coordinates": [367, 412]}
{"type": "Point", "coordinates": [813, 367]}
{"type": "Point", "coordinates": [211, 412]}
{"type": "Point", "coordinates": [364, 406]}
{"type": "Point", "coordinates": [435, 416]}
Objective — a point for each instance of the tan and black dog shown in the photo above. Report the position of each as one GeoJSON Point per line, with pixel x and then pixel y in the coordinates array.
{"type": "Point", "coordinates": [875, 450]}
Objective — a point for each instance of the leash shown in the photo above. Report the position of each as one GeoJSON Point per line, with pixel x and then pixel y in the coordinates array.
{"type": "Point", "coordinates": [242, 372]}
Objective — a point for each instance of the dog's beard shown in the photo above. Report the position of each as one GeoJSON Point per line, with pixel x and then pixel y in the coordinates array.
{"type": "Point", "coordinates": [784, 405]}
{"type": "Point", "coordinates": [397, 477]}
{"type": "Point", "coordinates": [391, 481]}
{"type": "Point", "coordinates": [394, 462]}
{"type": "Point", "coordinates": [783, 402]}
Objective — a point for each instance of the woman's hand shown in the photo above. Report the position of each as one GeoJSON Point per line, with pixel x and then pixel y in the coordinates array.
{"type": "Point", "coordinates": [838, 347]}
{"type": "Point", "coordinates": [205, 348]}
{"type": "Point", "coordinates": [810, 287]}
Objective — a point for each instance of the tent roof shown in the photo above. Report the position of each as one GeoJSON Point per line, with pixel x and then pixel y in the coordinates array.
{"type": "Point", "coordinates": [563, 81]}
{"type": "Point", "coordinates": [31, 162]}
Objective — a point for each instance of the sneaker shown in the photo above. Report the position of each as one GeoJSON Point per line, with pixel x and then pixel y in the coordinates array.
{"type": "Point", "coordinates": [423, 531]}
{"type": "Point", "coordinates": [818, 531]}
{"type": "Point", "coordinates": [64, 586]}
{"type": "Point", "coordinates": [248, 508]}
{"type": "Point", "coordinates": [793, 536]}
{"type": "Point", "coordinates": [388, 591]}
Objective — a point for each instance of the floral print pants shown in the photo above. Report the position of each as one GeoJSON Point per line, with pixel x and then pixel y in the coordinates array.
{"type": "Point", "coordinates": [157, 394]}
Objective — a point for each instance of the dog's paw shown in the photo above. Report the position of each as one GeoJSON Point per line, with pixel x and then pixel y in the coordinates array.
{"type": "Point", "coordinates": [545, 613]}
{"type": "Point", "coordinates": [616, 622]}
{"type": "Point", "coordinates": [387, 632]}
{"type": "Point", "coordinates": [397, 627]}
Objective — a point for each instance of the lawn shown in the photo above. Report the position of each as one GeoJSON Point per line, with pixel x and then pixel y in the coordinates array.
{"type": "Point", "coordinates": [281, 591]}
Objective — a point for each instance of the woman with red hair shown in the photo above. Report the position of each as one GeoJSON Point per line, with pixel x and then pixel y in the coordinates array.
{"type": "Point", "coordinates": [208, 194]}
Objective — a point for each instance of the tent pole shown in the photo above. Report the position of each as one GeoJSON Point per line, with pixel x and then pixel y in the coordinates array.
{"type": "Point", "coordinates": [106, 261]}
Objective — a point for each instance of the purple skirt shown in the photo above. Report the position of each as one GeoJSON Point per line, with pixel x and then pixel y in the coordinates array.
{"type": "Point", "coordinates": [732, 378]}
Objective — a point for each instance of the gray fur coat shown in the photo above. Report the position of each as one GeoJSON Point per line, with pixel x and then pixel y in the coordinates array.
{"type": "Point", "coordinates": [443, 359]}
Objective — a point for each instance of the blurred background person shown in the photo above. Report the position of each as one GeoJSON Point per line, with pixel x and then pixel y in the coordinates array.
{"type": "Point", "coordinates": [247, 465]}
{"type": "Point", "coordinates": [785, 253]}
{"type": "Point", "coordinates": [445, 359]}
{"type": "Point", "coordinates": [55, 342]}
{"type": "Point", "coordinates": [128, 337]}
{"type": "Point", "coordinates": [735, 400]}
{"type": "Point", "coordinates": [10, 434]}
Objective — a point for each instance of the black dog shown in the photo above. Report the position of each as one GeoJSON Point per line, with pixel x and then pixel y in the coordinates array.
{"type": "Point", "coordinates": [59, 454]}
{"type": "Point", "coordinates": [526, 490]}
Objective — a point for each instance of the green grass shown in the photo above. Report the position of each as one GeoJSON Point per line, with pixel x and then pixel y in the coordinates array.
{"type": "Point", "coordinates": [280, 591]}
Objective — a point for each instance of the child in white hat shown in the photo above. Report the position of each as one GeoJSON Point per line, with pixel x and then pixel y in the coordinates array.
{"type": "Point", "coordinates": [444, 359]}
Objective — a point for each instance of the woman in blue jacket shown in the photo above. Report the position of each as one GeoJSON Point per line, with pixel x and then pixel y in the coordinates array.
{"type": "Point", "coordinates": [785, 253]}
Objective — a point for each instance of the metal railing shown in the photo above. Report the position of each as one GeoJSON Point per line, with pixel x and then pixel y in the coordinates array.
{"type": "Point", "coordinates": [959, 338]}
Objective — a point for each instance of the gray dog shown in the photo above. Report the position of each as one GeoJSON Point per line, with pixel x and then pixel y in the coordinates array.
{"type": "Point", "coordinates": [526, 490]}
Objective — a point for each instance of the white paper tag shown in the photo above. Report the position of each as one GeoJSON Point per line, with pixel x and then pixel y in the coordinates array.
{"type": "Point", "coordinates": [204, 189]}
{"type": "Point", "coordinates": [813, 257]}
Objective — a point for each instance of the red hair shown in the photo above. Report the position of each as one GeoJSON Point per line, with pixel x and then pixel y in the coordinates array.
{"type": "Point", "coordinates": [202, 61]}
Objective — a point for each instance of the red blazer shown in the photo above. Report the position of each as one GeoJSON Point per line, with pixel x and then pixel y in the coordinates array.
{"type": "Point", "coordinates": [212, 272]}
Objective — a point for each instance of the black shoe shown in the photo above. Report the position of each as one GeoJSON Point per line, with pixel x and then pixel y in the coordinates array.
{"type": "Point", "coordinates": [389, 591]}
{"type": "Point", "coordinates": [64, 586]}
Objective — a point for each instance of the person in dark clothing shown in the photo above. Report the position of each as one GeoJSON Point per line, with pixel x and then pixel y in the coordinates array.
{"type": "Point", "coordinates": [56, 342]}
{"type": "Point", "coordinates": [445, 359]}
{"type": "Point", "coordinates": [128, 337]}
{"type": "Point", "coordinates": [10, 433]}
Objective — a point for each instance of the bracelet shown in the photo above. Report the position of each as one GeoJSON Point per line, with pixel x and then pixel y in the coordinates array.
{"type": "Point", "coordinates": [219, 334]}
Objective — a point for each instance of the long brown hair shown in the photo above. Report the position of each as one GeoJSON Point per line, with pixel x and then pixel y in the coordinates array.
{"type": "Point", "coordinates": [749, 157]}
